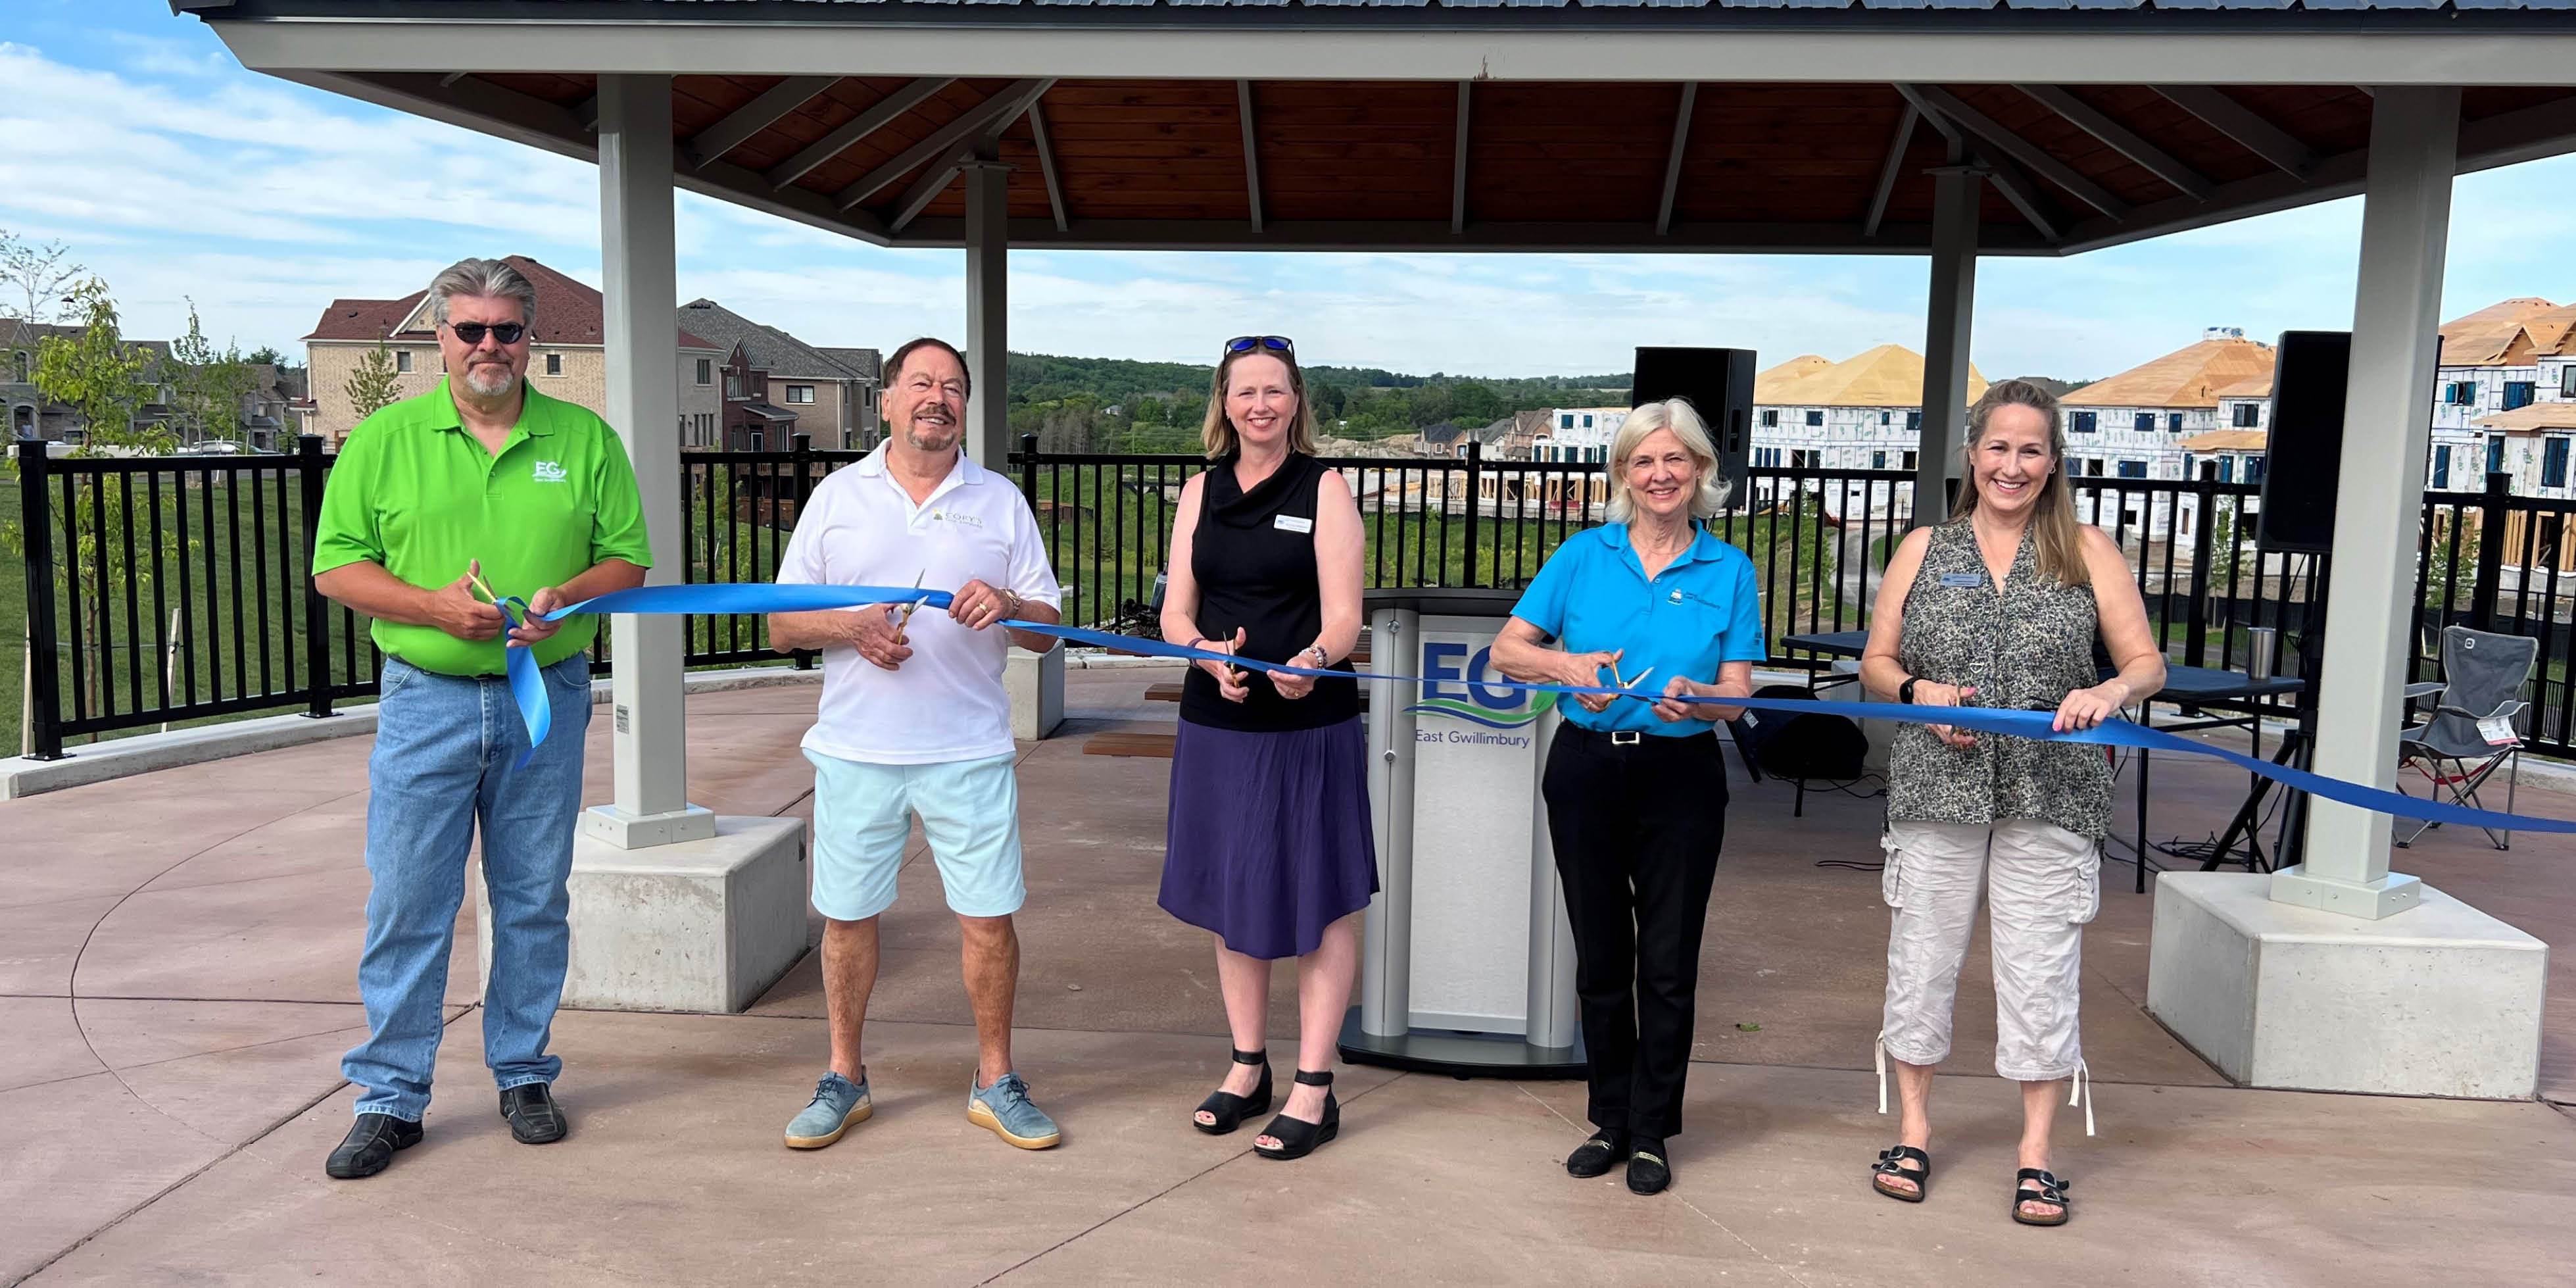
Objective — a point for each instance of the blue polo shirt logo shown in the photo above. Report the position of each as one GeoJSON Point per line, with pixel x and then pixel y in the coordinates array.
{"type": "Point", "coordinates": [1455, 687]}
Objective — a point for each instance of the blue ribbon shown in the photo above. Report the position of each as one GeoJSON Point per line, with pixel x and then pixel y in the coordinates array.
{"type": "Point", "coordinates": [718, 598]}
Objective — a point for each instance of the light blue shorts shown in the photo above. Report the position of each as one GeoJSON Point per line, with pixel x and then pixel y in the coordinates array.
{"type": "Point", "coordinates": [969, 809]}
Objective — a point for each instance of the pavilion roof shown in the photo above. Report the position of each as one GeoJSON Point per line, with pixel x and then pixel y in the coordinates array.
{"type": "Point", "coordinates": [1507, 126]}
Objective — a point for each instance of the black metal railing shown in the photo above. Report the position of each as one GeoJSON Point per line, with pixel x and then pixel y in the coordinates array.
{"type": "Point", "coordinates": [167, 589]}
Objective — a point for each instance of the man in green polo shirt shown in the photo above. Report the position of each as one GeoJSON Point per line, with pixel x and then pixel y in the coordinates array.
{"type": "Point", "coordinates": [481, 483]}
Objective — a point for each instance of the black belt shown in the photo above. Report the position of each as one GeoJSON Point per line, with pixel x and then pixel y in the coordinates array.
{"type": "Point", "coordinates": [1629, 739]}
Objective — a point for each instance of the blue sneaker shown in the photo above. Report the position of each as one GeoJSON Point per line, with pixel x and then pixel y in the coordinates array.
{"type": "Point", "coordinates": [839, 1104]}
{"type": "Point", "coordinates": [1004, 1110]}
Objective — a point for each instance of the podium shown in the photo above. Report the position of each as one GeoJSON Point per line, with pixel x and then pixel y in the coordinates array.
{"type": "Point", "coordinates": [1467, 966]}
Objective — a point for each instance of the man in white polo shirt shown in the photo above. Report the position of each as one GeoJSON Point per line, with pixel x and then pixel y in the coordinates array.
{"type": "Point", "coordinates": [914, 721]}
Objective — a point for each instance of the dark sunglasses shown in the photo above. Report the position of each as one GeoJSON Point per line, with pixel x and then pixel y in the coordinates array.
{"type": "Point", "coordinates": [472, 333]}
{"type": "Point", "coordinates": [1276, 343]}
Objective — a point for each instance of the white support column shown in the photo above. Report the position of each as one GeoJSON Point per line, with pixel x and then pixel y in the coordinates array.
{"type": "Point", "coordinates": [642, 339]}
{"type": "Point", "coordinates": [2405, 226]}
{"type": "Point", "coordinates": [1948, 315]}
{"type": "Point", "coordinates": [988, 229]}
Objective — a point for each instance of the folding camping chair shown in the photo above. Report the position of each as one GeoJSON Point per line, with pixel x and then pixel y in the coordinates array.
{"type": "Point", "coordinates": [2474, 730]}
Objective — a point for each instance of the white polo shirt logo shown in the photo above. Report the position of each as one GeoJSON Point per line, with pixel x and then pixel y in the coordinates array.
{"type": "Point", "coordinates": [549, 472]}
{"type": "Point", "coordinates": [956, 516]}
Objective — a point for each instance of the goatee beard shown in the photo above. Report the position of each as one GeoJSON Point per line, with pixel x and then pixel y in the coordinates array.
{"type": "Point", "coordinates": [499, 385]}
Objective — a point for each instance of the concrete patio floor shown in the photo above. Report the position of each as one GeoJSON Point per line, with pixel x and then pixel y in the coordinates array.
{"type": "Point", "coordinates": [177, 981]}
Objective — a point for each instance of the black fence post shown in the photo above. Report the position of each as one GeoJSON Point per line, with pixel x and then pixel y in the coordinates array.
{"type": "Point", "coordinates": [1475, 477]}
{"type": "Point", "coordinates": [2205, 497]}
{"type": "Point", "coordinates": [44, 659]}
{"type": "Point", "coordinates": [801, 460]}
{"type": "Point", "coordinates": [1029, 471]}
{"type": "Point", "coordinates": [311, 468]}
{"type": "Point", "coordinates": [2491, 515]}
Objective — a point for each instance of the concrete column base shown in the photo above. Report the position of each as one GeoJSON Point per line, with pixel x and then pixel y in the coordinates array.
{"type": "Point", "coordinates": [1036, 685]}
{"type": "Point", "coordinates": [2443, 1000]}
{"type": "Point", "coordinates": [2369, 900]}
{"type": "Point", "coordinates": [613, 827]}
{"type": "Point", "coordinates": [696, 926]}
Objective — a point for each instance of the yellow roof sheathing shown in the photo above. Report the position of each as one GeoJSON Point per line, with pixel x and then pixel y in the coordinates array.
{"type": "Point", "coordinates": [1890, 375]}
{"type": "Point", "coordinates": [2497, 335]}
{"type": "Point", "coordinates": [1772, 380]}
{"type": "Point", "coordinates": [2187, 377]}
{"type": "Point", "coordinates": [2548, 415]}
{"type": "Point", "coordinates": [2227, 440]}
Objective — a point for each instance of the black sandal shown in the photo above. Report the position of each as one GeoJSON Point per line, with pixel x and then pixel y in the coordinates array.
{"type": "Point", "coordinates": [1891, 1162]}
{"type": "Point", "coordinates": [1228, 1108]}
{"type": "Point", "coordinates": [1297, 1137]}
{"type": "Point", "coordinates": [2051, 1190]}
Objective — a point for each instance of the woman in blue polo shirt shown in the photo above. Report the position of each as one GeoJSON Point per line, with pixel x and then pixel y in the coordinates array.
{"type": "Point", "coordinates": [1636, 794]}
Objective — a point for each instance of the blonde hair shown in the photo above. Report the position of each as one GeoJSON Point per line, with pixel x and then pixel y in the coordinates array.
{"type": "Point", "coordinates": [1216, 432]}
{"type": "Point", "coordinates": [1683, 420]}
{"type": "Point", "coordinates": [2057, 538]}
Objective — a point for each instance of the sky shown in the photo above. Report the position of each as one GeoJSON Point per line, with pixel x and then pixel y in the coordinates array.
{"type": "Point", "coordinates": [173, 173]}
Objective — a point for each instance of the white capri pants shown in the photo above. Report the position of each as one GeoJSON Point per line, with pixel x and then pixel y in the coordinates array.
{"type": "Point", "coordinates": [2046, 883]}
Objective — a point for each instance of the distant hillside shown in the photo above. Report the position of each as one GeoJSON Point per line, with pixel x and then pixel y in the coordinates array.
{"type": "Point", "coordinates": [1115, 404]}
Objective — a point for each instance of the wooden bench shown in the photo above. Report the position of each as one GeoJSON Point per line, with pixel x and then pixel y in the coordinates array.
{"type": "Point", "coordinates": [1156, 746]}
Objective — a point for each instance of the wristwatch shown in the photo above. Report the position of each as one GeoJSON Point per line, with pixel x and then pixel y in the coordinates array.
{"type": "Point", "coordinates": [1905, 691]}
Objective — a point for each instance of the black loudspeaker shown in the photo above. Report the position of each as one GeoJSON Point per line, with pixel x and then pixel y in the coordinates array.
{"type": "Point", "coordinates": [2304, 453]}
{"type": "Point", "coordinates": [1719, 385]}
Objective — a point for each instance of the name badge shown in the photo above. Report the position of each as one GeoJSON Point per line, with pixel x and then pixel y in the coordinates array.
{"type": "Point", "coordinates": [1291, 523]}
{"type": "Point", "coordinates": [1968, 580]}
{"type": "Point", "coordinates": [954, 517]}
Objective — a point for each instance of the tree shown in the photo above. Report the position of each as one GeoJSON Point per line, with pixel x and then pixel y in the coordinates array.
{"type": "Point", "coordinates": [209, 386]}
{"type": "Point", "coordinates": [95, 373]}
{"type": "Point", "coordinates": [267, 355]}
{"type": "Point", "coordinates": [372, 387]}
{"type": "Point", "coordinates": [38, 274]}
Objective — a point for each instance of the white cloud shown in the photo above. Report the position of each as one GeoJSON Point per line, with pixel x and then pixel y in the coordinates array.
{"type": "Point", "coordinates": [174, 172]}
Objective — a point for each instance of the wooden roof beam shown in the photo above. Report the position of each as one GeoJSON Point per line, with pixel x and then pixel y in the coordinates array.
{"type": "Point", "coordinates": [1251, 153]}
{"type": "Point", "coordinates": [1906, 121]}
{"type": "Point", "coordinates": [1046, 167]}
{"type": "Point", "coordinates": [736, 129]}
{"type": "Point", "coordinates": [997, 112]}
{"type": "Point", "coordinates": [1458, 167]}
{"type": "Point", "coordinates": [858, 127]}
{"type": "Point", "coordinates": [1934, 100]}
{"type": "Point", "coordinates": [1673, 163]}
{"type": "Point", "coordinates": [2118, 138]}
{"type": "Point", "coordinates": [2239, 122]}
{"type": "Point", "coordinates": [2033, 207]}
{"type": "Point", "coordinates": [984, 146]}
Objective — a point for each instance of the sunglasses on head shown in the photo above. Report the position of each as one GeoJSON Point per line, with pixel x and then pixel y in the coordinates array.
{"type": "Point", "coordinates": [1245, 343]}
{"type": "Point", "coordinates": [472, 333]}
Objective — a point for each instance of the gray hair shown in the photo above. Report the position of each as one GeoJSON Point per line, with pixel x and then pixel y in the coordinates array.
{"type": "Point", "coordinates": [1678, 416]}
{"type": "Point", "coordinates": [481, 277]}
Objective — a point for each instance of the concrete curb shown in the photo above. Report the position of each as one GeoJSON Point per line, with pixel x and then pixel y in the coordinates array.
{"type": "Point", "coordinates": [144, 753]}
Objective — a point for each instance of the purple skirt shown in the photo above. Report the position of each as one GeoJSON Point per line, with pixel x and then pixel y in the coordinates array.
{"type": "Point", "coordinates": [1269, 841]}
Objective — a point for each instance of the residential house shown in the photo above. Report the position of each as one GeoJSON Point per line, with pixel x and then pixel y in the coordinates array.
{"type": "Point", "coordinates": [778, 385]}
{"type": "Point", "coordinates": [868, 369]}
{"type": "Point", "coordinates": [567, 358]}
{"type": "Point", "coordinates": [1863, 413]}
{"type": "Point", "coordinates": [2506, 382]}
{"type": "Point", "coordinates": [2133, 425]}
{"type": "Point", "coordinates": [1572, 433]}
{"type": "Point", "coordinates": [29, 413]}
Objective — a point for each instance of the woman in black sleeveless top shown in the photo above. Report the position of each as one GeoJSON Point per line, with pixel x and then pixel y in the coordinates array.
{"type": "Point", "coordinates": [1268, 843]}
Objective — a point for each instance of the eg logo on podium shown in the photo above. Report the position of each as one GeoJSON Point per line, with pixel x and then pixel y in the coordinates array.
{"type": "Point", "coordinates": [1454, 685]}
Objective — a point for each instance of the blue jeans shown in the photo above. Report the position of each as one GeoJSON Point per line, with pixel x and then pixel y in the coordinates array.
{"type": "Point", "coordinates": [446, 753]}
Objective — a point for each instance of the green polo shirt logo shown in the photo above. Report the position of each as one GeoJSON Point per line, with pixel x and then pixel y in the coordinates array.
{"type": "Point", "coordinates": [414, 491]}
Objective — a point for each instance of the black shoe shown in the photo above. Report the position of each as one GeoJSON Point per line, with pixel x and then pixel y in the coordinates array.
{"type": "Point", "coordinates": [369, 1147]}
{"type": "Point", "coordinates": [1297, 1137]}
{"type": "Point", "coordinates": [1228, 1108]}
{"type": "Point", "coordinates": [1648, 1171]}
{"type": "Point", "coordinates": [1595, 1157]}
{"type": "Point", "coordinates": [535, 1118]}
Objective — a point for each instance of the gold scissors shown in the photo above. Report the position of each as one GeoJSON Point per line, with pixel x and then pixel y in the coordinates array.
{"type": "Point", "coordinates": [911, 604]}
{"type": "Point", "coordinates": [1630, 683]}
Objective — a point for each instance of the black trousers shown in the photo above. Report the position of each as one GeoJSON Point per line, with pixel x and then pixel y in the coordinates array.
{"type": "Point", "coordinates": [1637, 828]}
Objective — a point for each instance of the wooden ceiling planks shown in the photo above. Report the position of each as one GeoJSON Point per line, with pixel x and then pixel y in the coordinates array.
{"type": "Point", "coordinates": [1537, 152]}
